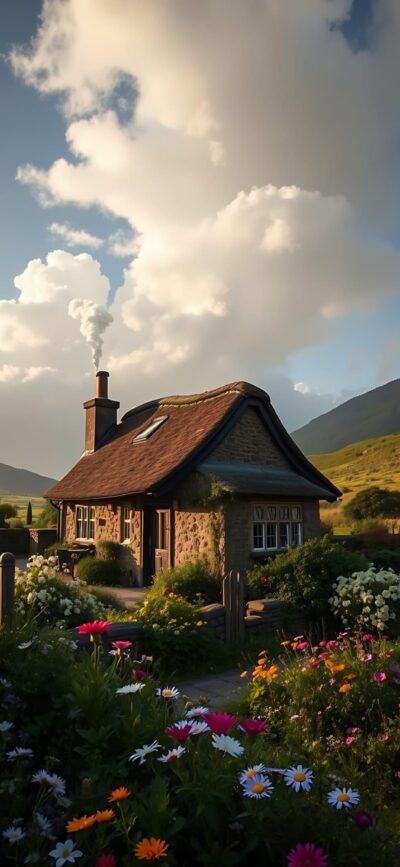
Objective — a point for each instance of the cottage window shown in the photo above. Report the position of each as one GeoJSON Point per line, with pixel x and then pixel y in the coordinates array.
{"type": "Point", "coordinates": [85, 522]}
{"type": "Point", "coordinates": [150, 429]}
{"type": "Point", "coordinates": [126, 523]}
{"type": "Point", "coordinates": [275, 527]}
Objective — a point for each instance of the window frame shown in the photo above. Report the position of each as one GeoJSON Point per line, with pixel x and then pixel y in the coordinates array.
{"type": "Point", "coordinates": [127, 507]}
{"type": "Point", "coordinates": [150, 429]}
{"type": "Point", "coordinates": [85, 520]}
{"type": "Point", "coordinates": [284, 518]}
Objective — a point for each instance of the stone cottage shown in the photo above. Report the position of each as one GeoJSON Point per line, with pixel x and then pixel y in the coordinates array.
{"type": "Point", "coordinates": [212, 474]}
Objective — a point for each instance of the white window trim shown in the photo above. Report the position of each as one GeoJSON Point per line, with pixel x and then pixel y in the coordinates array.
{"type": "Point", "coordinates": [124, 523]}
{"type": "Point", "coordinates": [85, 520]}
{"type": "Point", "coordinates": [264, 521]}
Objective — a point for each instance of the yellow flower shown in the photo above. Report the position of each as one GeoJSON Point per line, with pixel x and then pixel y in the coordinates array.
{"type": "Point", "coordinates": [119, 794]}
{"type": "Point", "coordinates": [151, 849]}
{"type": "Point", "coordinates": [104, 815]}
{"type": "Point", "coordinates": [244, 674]}
{"type": "Point", "coordinates": [81, 824]}
{"type": "Point", "coordinates": [345, 688]}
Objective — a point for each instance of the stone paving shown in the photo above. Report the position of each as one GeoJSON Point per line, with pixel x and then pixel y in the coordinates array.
{"type": "Point", "coordinates": [218, 689]}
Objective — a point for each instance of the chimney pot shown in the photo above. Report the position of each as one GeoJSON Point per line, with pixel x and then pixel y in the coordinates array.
{"type": "Point", "coordinates": [102, 383]}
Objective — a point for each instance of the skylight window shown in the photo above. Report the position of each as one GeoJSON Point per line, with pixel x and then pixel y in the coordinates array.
{"type": "Point", "coordinates": [148, 431]}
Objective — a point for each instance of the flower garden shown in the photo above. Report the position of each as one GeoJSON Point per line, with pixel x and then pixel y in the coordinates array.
{"type": "Point", "coordinates": [104, 764]}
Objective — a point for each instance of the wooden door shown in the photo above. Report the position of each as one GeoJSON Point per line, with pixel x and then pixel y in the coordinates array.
{"type": "Point", "coordinates": [162, 540]}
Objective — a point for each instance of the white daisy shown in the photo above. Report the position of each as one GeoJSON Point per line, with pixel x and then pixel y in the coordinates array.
{"type": "Point", "coordinates": [4, 682]}
{"type": "Point", "coordinates": [56, 783]}
{"type": "Point", "coordinates": [227, 745]}
{"type": "Point", "coordinates": [198, 728]}
{"type": "Point", "coordinates": [24, 645]}
{"type": "Point", "coordinates": [64, 853]}
{"type": "Point", "coordinates": [19, 753]}
{"type": "Point", "coordinates": [14, 834]}
{"type": "Point", "coordinates": [45, 826]}
{"type": "Point", "coordinates": [172, 755]}
{"type": "Point", "coordinates": [196, 712]}
{"type": "Point", "coordinates": [5, 726]}
{"type": "Point", "coordinates": [129, 688]}
{"type": "Point", "coordinates": [298, 778]}
{"type": "Point", "coordinates": [170, 692]}
{"type": "Point", "coordinates": [251, 772]}
{"type": "Point", "coordinates": [40, 777]}
{"type": "Point", "coordinates": [141, 753]}
{"type": "Point", "coordinates": [340, 798]}
{"type": "Point", "coordinates": [257, 787]}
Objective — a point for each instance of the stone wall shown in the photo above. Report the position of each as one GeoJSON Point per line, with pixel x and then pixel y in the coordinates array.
{"type": "Point", "coordinates": [249, 442]}
{"type": "Point", "coordinates": [109, 527]}
{"type": "Point", "coordinates": [199, 533]}
{"type": "Point", "coordinates": [41, 539]}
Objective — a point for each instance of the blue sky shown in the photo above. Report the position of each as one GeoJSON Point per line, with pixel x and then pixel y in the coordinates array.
{"type": "Point", "coordinates": [185, 154]}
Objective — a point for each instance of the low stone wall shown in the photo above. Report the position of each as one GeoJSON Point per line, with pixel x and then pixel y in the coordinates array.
{"type": "Point", "coordinates": [16, 541]}
{"type": "Point", "coordinates": [214, 616]}
{"type": "Point", "coordinates": [40, 539]}
{"type": "Point", "coordinates": [269, 616]}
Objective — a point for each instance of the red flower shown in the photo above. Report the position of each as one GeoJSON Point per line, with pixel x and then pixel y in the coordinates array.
{"type": "Point", "coordinates": [307, 855]}
{"type": "Point", "coordinates": [122, 645]}
{"type": "Point", "coordinates": [264, 581]}
{"type": "Point", "coordinates": [106, 861]}
{"type": "Point", "coordinates": [330, 645]}
{"type": "Point", "coordinates": [180, 733]}
{"type": "Point", "coordinates": [253, 726]}
{"type": "Point", "coordinates": [219, 723]}
{"type": "Point", "coordinates": [363, 819]}
{"type": "Point", "coordinates": [140, 674]}
{"type": "Point", "coordinates": [368, 637]}
{"type": "Point", "coordinates": [95, 628]}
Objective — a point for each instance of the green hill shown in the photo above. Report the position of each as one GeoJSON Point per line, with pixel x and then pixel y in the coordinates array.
{"type": "Point", "coordinates": [371, 462]}
{"type": "Point", "coordinates": [373, 414]}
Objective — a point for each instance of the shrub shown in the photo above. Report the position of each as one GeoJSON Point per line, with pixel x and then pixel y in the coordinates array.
{"type": "Point", "coordinates": [15, 523]}
{"type": "Point", "coordinates": [109, 551]}
{"type": "Point", "coordinates": [47, 517]}
{"type": "Point", "coordinates": [51, 550]}
{"type": "Point", "coordinates": [257, 583]}
{"type": "Point", "coordinates": [373, 502]}
{"type": "Point", "coordinates": [384, 559]}
{"type": "Point", "coordinates": [41, 593]}
{"type": "Point", "coordinates": [6, 511]}
{"type": "Point", "coordinates": [91, 570]}
{"type": "Point", "coordinates": [305, 574]}
{"type": "Point", "coordinates": [368, 599]}
{"type": "Point", "coordinates": [193, 581]}
{"type": "Point", "coordinates": [175, 634]}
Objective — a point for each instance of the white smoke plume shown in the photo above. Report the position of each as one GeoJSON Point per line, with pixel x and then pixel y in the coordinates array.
{"type": "Point", "coordinates": [94, 319]}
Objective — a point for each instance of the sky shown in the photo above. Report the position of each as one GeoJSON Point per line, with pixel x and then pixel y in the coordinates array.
{"type": "Point", "coordinates": [194, 194]}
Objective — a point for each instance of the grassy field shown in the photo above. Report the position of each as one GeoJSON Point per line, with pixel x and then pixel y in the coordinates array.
{"type": "Point", "coordinates": [21, 504]}
{"type": "Point", "coordinates": [369, 463]}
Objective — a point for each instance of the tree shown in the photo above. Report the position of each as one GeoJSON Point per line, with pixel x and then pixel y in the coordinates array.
{"type": "Point", "coordinates": [373, 503]}
{"type": "Point", "coordinates": [47, 517]}
{"type": "Point", "coordinates": [6, 511]}
{"type": "Point", "coordinates": [29, 514]}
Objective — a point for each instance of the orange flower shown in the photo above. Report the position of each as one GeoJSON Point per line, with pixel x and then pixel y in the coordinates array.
{"type": "Point", "coordinates": [349, 676]}
{"type": "Point", "coordinates": [104, 815]}
{"type": "Point", "coordinates": [334, 666]}
{"type": "Point", "coordinates": [151, 849]}
{"type": "Point", "coordinates": [267, 673]}
{"type": "Point", "coordinates": [285, 643]}
{"type": "Point", "coordinates": [119, 794]}
{"type": "Point", "coordinates": [80, 824]}
{"type": "Point", "coordinates": [345, 688]}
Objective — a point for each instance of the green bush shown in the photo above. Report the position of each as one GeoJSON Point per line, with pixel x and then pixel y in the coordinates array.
{"type": "Point", "coordinates": [373, 502]}
{"type": "Point", "coordinates": [47, 517]}
{"type": "Point", "coordinates": [15, 523]}
{"type": "Point", "coordinates": [91, 570]}
{"type": "Point", "coordinates": [193, 581]}
{"type": "Point", "coordinates": [304, 575]}
{"type": "Point", "coordinates": [174, 632]}
{"type": "Point", "coordinates": [51, 550]}
{"type": "Point", "coordinates": [6, 511]}
{"type": "Point", "coordinates": [257, 583]}
{"type": "Point", "coordinates": [109, 551]}
{"type": "Point", "coordinates": [383, 558]}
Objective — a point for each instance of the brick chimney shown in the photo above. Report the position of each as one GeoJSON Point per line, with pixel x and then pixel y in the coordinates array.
{"type": "Point", "coordinates": [101, 414]}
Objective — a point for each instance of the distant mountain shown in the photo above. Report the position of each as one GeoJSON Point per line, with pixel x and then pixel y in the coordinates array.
{"type": "Point", "coordinates": [373, 414]}
{"type": "Point", "coordinates": [16, 481]}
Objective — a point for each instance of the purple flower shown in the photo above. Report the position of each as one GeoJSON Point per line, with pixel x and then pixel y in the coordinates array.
{"type": "Point", "coordinates": [366, 657]}
{"type": "Point", "coordinates": [379, 677]}
{"type": "Point", "coordinates": [363, 819]}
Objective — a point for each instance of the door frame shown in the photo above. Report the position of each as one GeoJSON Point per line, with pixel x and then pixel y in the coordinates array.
{"type": "Point", "coordinates": [149, 539]}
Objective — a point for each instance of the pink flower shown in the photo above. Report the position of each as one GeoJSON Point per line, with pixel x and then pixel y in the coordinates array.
{"type": "Point", "coordinates": [121, 645]}
{"type": "Point", "coordinates": [366, 657]}
{"type": "Point", "coordinates": [379, 677]}
{"type": "Point", "coordinates": [302, 645]}
{"type": "Point", "coordinates": [363, 819]}
{"type": "Point", "coordinates": [313, 662]}
{"type": "Point", "coordinates": [253, 726]}
{"type": "Point", "coordinates": [219, 723]}
{"type": "Point", "coordinates": [106, 861]}
{"type": "Point", "coordinates": [140, 674]}
{"type": "Point", "coordinates": [307, 855]}
{"type": "Point", "coordinates": [383, 738]}
{"type": "Point", "coordinates": [342, 635]}
{"type": "Point", "coordinates": [322, 644]}
{"type": "Point", "coordinates": [348, 741]}
{"type": "Point", "coordinates": [331, 644]}
{"type": "Point", "coordinates": [179, 732]}
{"type": "Point", "coordinates": [98, 627]}
{"type": "Point", "coordinates": [388, 653]}
{"type": "Point", "coordinates": [366, 636]}
{"type": "Point", "coordinates": [324, 655]}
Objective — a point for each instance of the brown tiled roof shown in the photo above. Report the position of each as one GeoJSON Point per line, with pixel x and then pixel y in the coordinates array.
{"type": "Point", "coordinates": [120, 467]}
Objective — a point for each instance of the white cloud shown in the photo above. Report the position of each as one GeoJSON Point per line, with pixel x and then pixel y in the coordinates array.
{"type": "Point", "coordinates": [75, 237]}
{"type": "Point", "coordinates": [304, 388]}
{"type": "Point", "coordinates": [239, 173]}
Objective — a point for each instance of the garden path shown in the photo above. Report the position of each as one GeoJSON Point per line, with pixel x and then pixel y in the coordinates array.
{"type": "Point", "coordinates": [219, 689]}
